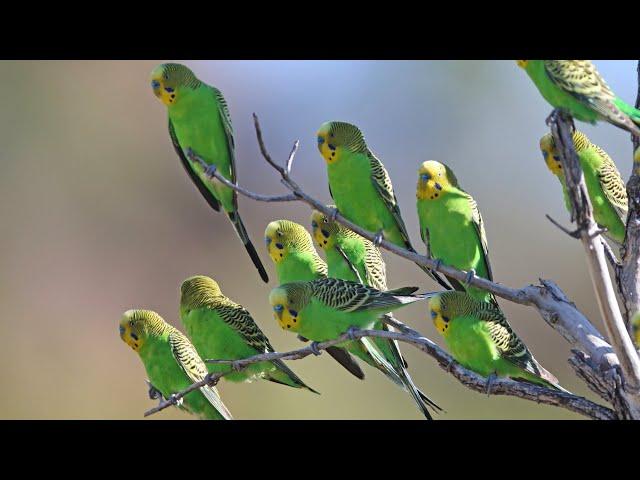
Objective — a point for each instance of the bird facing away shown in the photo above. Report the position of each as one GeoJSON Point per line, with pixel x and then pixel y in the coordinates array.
{"type": "Point", "coordinates": [361, 187]}
{"type": "Point", "coordinates": [576, 87]}
{"type": "Point", "coordinates": [221, 329]}
{"type": "Point", "coordinates": [479, 337]}
{"type": "Point", "coordinates": [352, 257]}
{"type": "Point", "coordinates": [199, 122]}
{"type": "Point", "coordinates": [296, 260]}
{"type": "Point", "coordinates": [171, 362]}
{"type": "Point", "coordinates": [451, 226]}
{"type": "Point", "coordinates": [606, 188]}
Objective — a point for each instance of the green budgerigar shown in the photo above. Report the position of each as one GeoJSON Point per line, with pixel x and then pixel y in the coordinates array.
{"type": "Point", "coordinates": [296, 260]}
{"type": "Point", "coordinates": [324, 309]}
{"type": "Point", "coordinates": [479, 337]}
{"type": "Point", "coordinates": [172, 363]}
{"type": "Point", "coordinates": [200, 124]}
{"type": "Point", "coordinates": [576, 87]}
{"type": "Point", "coordinates": [221, 329]}
{"type": "Point", "coordinates": [451, 226]}
{"type": "Point", "coordinates": [352, 257]}
{"type": "Point", "coordinates": [361, 187]}
{"type": "Point", "coordinates": [606, 188]}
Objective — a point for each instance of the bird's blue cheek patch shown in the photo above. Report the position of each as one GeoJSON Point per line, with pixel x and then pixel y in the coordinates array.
{"type": "Point", "coordinates": [168, 89]}
{"type": "Point", "coordinates": [279, 246]}
{"type": "Point", "coordinates": [325, 233]}
{"type": "Point", "coordinates": [314, 224]}
{"type": "Point", "coordinates": [134, 336]}
{"type": "Point", "coordinates": [293, 313]}
{"type": "Point", "coordinates": [331, 146]}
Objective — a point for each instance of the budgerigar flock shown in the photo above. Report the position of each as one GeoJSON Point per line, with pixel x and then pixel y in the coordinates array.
{"type": "Point", "coordinates": [319, 301]}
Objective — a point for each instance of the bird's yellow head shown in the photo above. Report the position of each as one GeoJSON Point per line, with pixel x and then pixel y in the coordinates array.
{"type": "Point", "coordinates": [171, 81]}
{"type": "Point", "coordinates": [522, 63]}
{"type": "Point", "coordinates": [439, 315]}
{"type": "Point", "coordinates": [434, 179]}
{"type": "Point", "coordinates": [137, 325]}
{"type": "Point", "coordinates": [286, 307]}
{"type": "Point", "coordinates": [550, 154]}
{"type": "Point", "coordinates": [550, 151]}
{"type": "Point", "coordinates": [283, 237]}
{"type": "Point", "coordinates": [323, 229]}
{"type": "Point", "coordinates": [336, 138]}
{"type": "Point", "coordinates": [197, 291]}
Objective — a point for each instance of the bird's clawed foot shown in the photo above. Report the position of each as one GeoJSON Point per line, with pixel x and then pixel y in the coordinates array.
{"type": "Point", "coordinates": [334, 214]}
{"type": "Point", "coordinates": [470, 275]}
{"type": "Point", "coordinates": [377, 240]}
{"type": "Point", "coordinates": [314, 348]}
{"type": "Point", "coordinates": [450, 364]}
{"type": "Point", "coordinates": [154, 393]}
{"type": "Point", "coordinates": [438, 265]}
{"type": "Point", "coordinates": [175, 400]}
{"type": "Point", "coordinates": [490, 380]}
{"type": "Point", "coordinates": [210, 171]}
{"type": "Point", "coordinates": [351, 333]}
{"type": "Point", "coordinates": [552, 117]}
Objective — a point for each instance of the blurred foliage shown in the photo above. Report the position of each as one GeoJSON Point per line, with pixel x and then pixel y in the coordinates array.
{"type": "Point", "coordinates": [98, 217]}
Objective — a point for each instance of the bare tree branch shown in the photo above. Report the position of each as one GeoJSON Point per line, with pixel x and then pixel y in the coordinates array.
{"type": "Point", "coordinates": [589, 234]}
{"type": "Point", "coordinates": [526, 391]}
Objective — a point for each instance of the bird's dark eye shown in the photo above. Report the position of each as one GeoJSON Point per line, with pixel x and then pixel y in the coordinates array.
{"type": "Point", "coordinates": [279, 246]}
{"type": "Point", "coordinates": [155, 84]}
{"type": "Point", "coordinates": [293, 313]}
{"type": "Point", "coordinates": [131, 322]}
{"type": "Point", "coordinates": [168, 89]}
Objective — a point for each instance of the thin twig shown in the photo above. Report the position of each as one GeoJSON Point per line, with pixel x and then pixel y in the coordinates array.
{"type": "Point", "coordinates": [468, 378]}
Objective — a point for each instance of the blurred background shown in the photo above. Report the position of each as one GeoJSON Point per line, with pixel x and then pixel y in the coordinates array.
{"type": "Point", "coordinates": [98, 217]}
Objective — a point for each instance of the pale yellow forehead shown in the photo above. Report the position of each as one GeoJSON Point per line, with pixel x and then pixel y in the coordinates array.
{"type": "Point", "coordinates": [278, 296]}
{"type": "Point", "coordinates": [547, 143]}
{"type": "Point", "coordinates": [271, 229]}
{"type": "Point", "coordinates": [432, 167]}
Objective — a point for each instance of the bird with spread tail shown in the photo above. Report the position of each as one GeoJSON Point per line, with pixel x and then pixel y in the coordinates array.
{"type": "Point", "coordinates": [200, 126]}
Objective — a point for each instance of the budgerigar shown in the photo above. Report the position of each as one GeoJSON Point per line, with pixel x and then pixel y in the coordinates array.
{"type": "Point", "coordinates": [451, 226]}
{"type": "Point", "coordinates": [576, 87]}
{"type": "Point", "coordinates": [171, 362]}
{"type": "Point", "coordinates": [200, 123]}
{"type": "Point", "coordinates": [606, 188]}
{"type": "Point", "coordinates": [352, 257]}
{"type": "Point", "coordinates": [324, 309]}
{"type": "Point", "coordinates": [479, 337]}
{"type": "Point", "coordinates": [221, 329]}
{"type": "Point", "coordinates": [296, 260]}
{"type": "Point", "coordinates": [361, 187]}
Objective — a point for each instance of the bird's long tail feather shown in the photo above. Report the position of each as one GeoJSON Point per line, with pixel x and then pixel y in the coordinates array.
{"type": "Point", "coordinates": [235, 219]}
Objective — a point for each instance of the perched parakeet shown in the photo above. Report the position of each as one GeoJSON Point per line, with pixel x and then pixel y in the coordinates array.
{"type": "Point", "coordinates": [352, 257]}
{"type": "Point", "coordinates": [360, 185]}
{"type": "Point", "coordinates": [479, 337]}
{"type": "Point", "coordinates": [606, 188]}
{"type": "Point", "coordinates": [296, 260]}
{"type": "Point", "coordinates": [576, 87]}
{"type": "Point", "coordinates": [171, 362]}
{"type": "Point", "coordinates": [199, 122]}
{"type": "Point", "coordinates": [221, 329]}
{"type": "Point", "coordinates": [451, 226]}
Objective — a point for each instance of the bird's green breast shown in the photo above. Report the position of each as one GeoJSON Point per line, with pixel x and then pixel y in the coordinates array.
{"type": "Point", "coordinates": [198, 125]}
{"type": "Point", "coordinates": [297, 267]}
{"type": "Point", "coordinates": [452, 235]}
{"type": "Point", "coordinates": [470, 343]}
{"type": "Point", "coordinates": [340, 268]}
{"type": "Point", "coordinates": [353, 191]}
